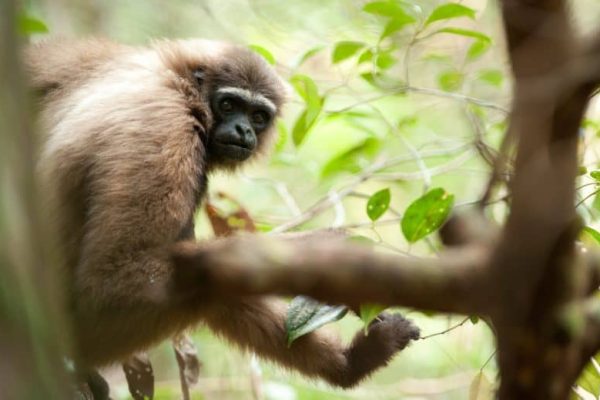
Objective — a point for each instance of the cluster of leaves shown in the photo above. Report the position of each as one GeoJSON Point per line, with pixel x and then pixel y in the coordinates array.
{"type": "Point", "coordinates": [404, 24]}
{"type": "Point", "coordinates": [349, 138]}
{"type": "Point", "coordinates": [422, 217]}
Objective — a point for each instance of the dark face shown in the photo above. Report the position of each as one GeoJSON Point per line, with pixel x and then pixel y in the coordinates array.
{"type": "Point", "coordinates": [240, 118]}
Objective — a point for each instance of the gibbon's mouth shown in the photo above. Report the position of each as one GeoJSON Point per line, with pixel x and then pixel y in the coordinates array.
{"type": "Point", "coordinates": [233, 151]}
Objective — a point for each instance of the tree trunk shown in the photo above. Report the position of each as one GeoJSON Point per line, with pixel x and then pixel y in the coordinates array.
{"type": "Point", "coordinates": [33, 333]}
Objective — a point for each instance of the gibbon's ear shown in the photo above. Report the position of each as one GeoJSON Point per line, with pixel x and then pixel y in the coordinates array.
{"type": "Point", "coordinates": [199, 75]}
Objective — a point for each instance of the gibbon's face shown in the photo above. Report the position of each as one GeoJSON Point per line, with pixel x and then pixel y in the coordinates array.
{"type": "Point", "coordinates": [241, 118]}
{"type": "Point", "coordinates": [239, 97]}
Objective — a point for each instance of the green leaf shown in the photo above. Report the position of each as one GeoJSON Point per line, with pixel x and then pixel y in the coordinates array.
{"type": "Point", "coordinates": [365, 56]}
{"type": "Point", "coordinates": [368, 312]}
{"type": "Point", "coordinates": [466, 32]}
{"type": "Point", "coordinates": [362, 240]}
{"type": "Point", "coordinates": [354, 159]}
{"type": "Point", "coordinates": [305, 315]}
{"type": "Point", "coordinates": [385, 60]}
{"type": "Point", "coordinates": [389, 9]}
{"type": "Point", "coordinates": [591, 125]}
{"type": "Point", "coordinates": [474, 319]}
{"type": "Point", "coordinates": [29, 25]}
{"type": "Point", "coordinates": [593, 233]}
{"type": "Point", "coordinates": [301, 128]}
{"type": "Point", "coordinates": [589, 379]}
{"type": "Point", "coordinates": [426, 214]}
{"type": "Point", "coordinates": [282, 136]}
{"type": "Point", "coordinates": [492, 77]}
{"type": "Point", "coordinates": [395, 25]}
{"type": "Point", "coordinates": [308, 90]}
{"type": "Point", "coordinates": [596, 203]}
{"type": "Point", "coordinates": [308, 55]}
{"type": "Point", "coordinates": [438, 58]}
{"type": "Point", "coordinates": [448, 11]}
{"type": "Point", "coordinates": [332, 137]}
{"type": "Point", "coordinates": [345, 50]}
{"type": "Point", "coordinates": [595, 175]}
{"type": "Point", "coordinates": [266, 54]}
{"type": "Point", "coordinates": [264, 227]}
{"type": "Point", "coordinates": [382, 81]}
{"type": "Point", "coordinates": [450, 81]}
{"type": "Point", "coordinates": [408, 122]}
{"type": "Point", "coordinates": [378, 204]}
{"type": "Point", "coordinates": [477, 49]}
{"type": "Point", "coordinates": [371, 78]}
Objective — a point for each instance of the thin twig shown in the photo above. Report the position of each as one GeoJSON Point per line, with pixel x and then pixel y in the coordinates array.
{"type": "Point", "coordinates": [586, 185]}
{"type": "Point", "coordinates": [441, 169]}
{"type": "Point", "coordinates": [325, 203]}
{"type": "Point", "coordinates": [488, 360]}
{"type": "Point", "coordinates": [454, 96]}
{"type": "Point", "coordinates": [424, 171]}
{"type": "Point", "coordinates": [391, 221]}
{"type": "Point", "coordinates": [424, 91]}
{"type": "Point", "coordinates": [328, 201]}
{"type": "Point", "coordinates": [446, 330]}
{"type": "Point", "coordinates": [587, 197]}
{"type": "Point", "coordinates": [500, 167]}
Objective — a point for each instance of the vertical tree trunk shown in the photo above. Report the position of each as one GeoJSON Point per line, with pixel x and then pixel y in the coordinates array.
{"type": "Point", "coordinates": [32, 330]}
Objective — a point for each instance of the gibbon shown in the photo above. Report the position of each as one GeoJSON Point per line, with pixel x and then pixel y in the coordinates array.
{"type": "Point", "coordinates": [131, 135]}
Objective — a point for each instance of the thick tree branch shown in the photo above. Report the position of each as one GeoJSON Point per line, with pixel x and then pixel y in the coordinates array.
{"type": "Point", "coordinates": [546, 162]}
{"type": "Point", "coordinates": [337, 272]}
{"type": "Point", "coordinates": [535, 264]}
{"type": "Point", "coordinates": [468, 228]}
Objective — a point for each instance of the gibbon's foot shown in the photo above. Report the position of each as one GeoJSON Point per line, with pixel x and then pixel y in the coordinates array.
{"type": "Point", "coordinates": [386, 335]}
{"type": "Point", "coordinates": [399, 329]}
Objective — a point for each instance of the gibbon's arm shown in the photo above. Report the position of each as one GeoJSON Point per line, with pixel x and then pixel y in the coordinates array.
{"type": "Point", "coordinates": [258, 324]}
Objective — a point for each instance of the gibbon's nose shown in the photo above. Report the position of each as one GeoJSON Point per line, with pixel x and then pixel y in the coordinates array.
{"type": "Point", "coordinates": [246, 136]}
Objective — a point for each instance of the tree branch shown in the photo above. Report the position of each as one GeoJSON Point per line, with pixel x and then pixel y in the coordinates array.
{"type": "Point", "coordinates": [337, 272]}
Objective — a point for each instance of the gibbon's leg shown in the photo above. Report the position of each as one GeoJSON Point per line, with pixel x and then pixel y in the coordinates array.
{"type": "Point", "coordinates": [128, 306]}
{"type": "Point", "coordinates": [258, 324]}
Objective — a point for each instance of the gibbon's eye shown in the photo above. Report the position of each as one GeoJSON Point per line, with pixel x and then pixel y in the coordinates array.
{"type": "Point", "coordinates": [226, 106]}
{"type": "Point", "coordinates": [260, 118]}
